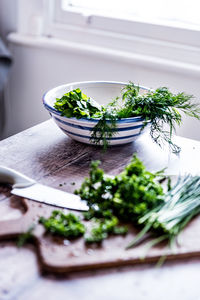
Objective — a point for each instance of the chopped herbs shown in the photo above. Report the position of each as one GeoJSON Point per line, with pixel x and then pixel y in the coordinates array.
{"type": "Point", "coordinates": [157, 108]}
{"type": "Point", "coordinates": [128, 195]}
{"type": "Point", "coordinates": [135, 196]}
{"type": "Point", "coordinates": [104, 227]}
{"type": "Point", "coordinates": [25, 237]}
{"type": "Point", "coordinates": [124, 197]}
{"type": "Point", "coordinates": [68, 226]}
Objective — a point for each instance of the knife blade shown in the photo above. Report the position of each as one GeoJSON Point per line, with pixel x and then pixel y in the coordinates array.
{"type": "Point", "coordinates": [28, 188]}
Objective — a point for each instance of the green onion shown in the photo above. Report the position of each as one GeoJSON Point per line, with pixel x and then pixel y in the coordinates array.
{"type": "Point", "coordinates": [181, 204]}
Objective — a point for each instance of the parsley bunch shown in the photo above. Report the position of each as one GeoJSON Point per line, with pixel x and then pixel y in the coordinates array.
{"type": "Point", "coordinates": [78, 105]}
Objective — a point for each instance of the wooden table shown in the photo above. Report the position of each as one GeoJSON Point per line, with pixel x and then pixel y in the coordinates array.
{"type": "Point", "coordinates": [47, 155]}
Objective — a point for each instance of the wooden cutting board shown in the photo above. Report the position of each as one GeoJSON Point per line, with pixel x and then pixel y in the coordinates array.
{"type": "Point", "coordinates": [59, 255]}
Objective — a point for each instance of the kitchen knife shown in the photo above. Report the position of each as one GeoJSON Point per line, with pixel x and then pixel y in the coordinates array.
{"type": "Point", "coordinates": [28, 188]}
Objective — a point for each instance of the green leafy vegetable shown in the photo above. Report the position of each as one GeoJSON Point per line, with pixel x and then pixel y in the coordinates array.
{"type": "Point", "coordinates": [76, 104]}
{"type": "Point", "coordinates": [68, 226]}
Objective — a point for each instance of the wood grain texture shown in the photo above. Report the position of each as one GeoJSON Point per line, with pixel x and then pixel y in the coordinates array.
{"type": "Point", "coordinates": [47, 155]}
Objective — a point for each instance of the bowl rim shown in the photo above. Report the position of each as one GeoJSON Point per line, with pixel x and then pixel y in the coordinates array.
{"type": "Point", "coordinates": [51, 109]}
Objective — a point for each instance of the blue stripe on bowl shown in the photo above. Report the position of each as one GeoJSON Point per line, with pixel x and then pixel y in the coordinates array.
{"type": "Point", "coordinates": [88, 137]}
{"type": "Point", "coordinates": [90, 128]}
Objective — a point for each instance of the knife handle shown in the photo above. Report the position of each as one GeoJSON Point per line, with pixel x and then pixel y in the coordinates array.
{"type": "Point", "coordinates": [16, 179]}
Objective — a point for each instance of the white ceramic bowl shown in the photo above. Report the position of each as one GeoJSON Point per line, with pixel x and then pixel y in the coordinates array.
{"type": "Point", "coordinates": [127, 130]}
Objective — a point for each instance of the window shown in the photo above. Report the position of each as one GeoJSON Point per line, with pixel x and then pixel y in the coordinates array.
{"type": "Point", "coordinates": [180, 13]}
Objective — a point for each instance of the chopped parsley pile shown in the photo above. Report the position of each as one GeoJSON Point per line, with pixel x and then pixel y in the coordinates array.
{"type": "Point", "coordinates": [157, 108]}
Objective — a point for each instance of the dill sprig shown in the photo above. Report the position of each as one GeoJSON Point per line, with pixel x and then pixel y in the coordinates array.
{"type": "Point", "coordinates": [105, 129]}
{"type": "Point", "coordinates": [160, 108]}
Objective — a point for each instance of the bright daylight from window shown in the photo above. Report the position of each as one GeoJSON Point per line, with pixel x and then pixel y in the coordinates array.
{"type": "Point", "coordinates": [181, 13]}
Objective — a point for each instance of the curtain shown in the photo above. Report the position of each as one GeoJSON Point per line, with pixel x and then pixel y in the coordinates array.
{"type": "Point", "coordinates": [5, 64]}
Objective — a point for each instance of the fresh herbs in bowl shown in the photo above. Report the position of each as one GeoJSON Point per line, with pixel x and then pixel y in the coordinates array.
{"type": "Point", "coordinates": [159, 108]}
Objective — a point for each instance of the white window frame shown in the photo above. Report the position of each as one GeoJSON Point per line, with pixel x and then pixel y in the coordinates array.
{"type": "Point", "coordinates": [98, 23]}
